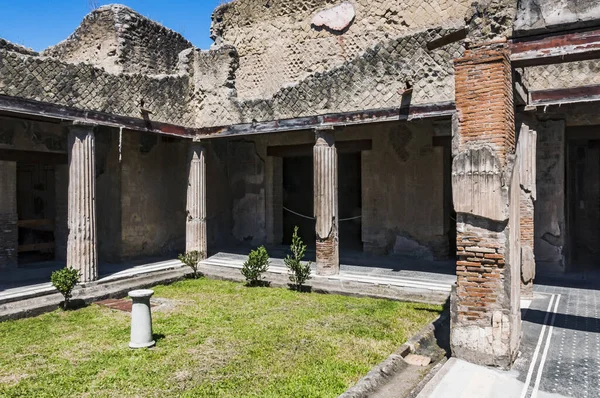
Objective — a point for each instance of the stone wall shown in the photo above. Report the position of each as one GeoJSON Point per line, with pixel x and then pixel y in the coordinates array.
{"type": "Point", "coordinates": [6, 45]}
{"type": "Point", "coordinates": [118, 39]}
{"type": "Point", "coordinates": [86, 87]}
{"type": "Point", "coordinates": [279, 46]}
{"type": "Point", "coordinates": [403, 192]}
{"type": "Point", "coordinates": [377, 78]}
{"type": "Point", "coordinates": [153, 189]}
{"type": "Point", "coordinates": [206, 89]}
{"type": "Point", "coordinates": [28, 135]}
{"type": "Point", "coordinates": [402, 188]}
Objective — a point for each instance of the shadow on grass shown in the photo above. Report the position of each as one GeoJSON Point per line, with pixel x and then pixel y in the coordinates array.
{"type": "Point", "coordinates": [258, 284]}
{"type": "Point", "coordinates": [300, 289]}
{"type": "Point", "coordinates": [192, 276]}
{"type": "Point", "coordinates": [419, 308]}
{"type": "Point", "coordinates": [158, 336]}
{"type": "Point", "coordinates": [72, 305]}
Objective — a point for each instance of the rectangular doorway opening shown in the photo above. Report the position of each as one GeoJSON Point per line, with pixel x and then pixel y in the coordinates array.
{"type": "Point", "coordinates": [584, 204]}
{"type": "Point", "coordinates": [298, 200]}
{"type": "Point", "coordinates": [36, 204]}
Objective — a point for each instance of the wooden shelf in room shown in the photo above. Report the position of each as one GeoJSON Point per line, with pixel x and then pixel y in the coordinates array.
{"type": "Point", "coordinates": [37, 224]}
{"type": "Point", "coordinates": [34, 247]}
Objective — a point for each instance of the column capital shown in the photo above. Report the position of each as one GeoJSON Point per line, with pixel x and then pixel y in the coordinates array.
{"type": "Point", "coordinates": [325, 136]}
{"type": "Point", "coordinates": [78, 126]}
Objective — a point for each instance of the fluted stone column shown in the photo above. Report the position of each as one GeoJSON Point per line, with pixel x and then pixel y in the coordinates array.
{"type": "Point", "coordinates": [82, 249]}
{"type": "Point", "coordinates": [196, 200]}
{"type": "Point", "coordinates": [326, 202]}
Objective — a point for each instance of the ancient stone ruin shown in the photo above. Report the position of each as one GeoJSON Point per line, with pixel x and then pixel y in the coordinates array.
{"type": "Point", "coordinates": [441, 129]}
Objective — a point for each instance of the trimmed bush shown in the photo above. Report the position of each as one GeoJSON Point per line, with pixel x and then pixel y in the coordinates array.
{"type": "Point", "coordinates": [65, 280]}
{"type": "Point", "coordinates": [192, 259]}
{"type": "Point", "coordinates": [299, 273]}
{"type": "Point", "coordinates": [257, 263]}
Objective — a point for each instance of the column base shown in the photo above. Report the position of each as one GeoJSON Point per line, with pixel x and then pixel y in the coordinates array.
{"type": "Point", "coordinates": [146, 345]}
{"type": "Point", "coordinates": [328, 258]}
{"type": "Point", "coordinates": [494, 344]}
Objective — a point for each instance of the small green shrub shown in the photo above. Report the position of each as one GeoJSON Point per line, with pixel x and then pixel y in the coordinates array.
{"type": "Point", "coordinates": [192, 259]}
{"type": "Point", "coordinates": [257, 263]}
{"type": "Point", "coordinates": [299, 273]}
{"type": "Point", "coordinates": [65, 280]}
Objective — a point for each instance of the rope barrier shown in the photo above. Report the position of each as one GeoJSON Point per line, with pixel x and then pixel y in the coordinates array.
{"type": "Point", "coordinates": [313, 218]}
{"type": "Point", "coordinates": [298, 214]}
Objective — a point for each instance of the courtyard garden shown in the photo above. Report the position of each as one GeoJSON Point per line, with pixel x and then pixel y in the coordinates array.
{"type": "Point", "coordinates": [213, 338]}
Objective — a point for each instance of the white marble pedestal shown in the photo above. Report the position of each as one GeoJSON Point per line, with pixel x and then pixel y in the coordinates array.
{"type": "Point", "coordinates": [141, 319]}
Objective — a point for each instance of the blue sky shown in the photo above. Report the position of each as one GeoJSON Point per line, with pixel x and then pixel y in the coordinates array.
{"type": "Point", "coordinates": [39, 24]}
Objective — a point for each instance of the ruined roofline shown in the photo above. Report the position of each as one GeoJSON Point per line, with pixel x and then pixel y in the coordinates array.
{"type": "Point", "coordinates": [120, 40]}
{"type": "Point", "coordinates": [116, 9]}
{"type": "Point", "coordinates": [17, 48]}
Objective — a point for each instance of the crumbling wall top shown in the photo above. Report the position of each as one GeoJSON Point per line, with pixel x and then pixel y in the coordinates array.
{"type": "Point", "coordinates": [118, 39]}
{"type": "Point", "coordinates": [538, 16]}
{"type": "Point", "coordinates": [6, 45]}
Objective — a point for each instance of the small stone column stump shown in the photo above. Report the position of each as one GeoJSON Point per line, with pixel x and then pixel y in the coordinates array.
{"type": "Point", "coordinates": [141, 319]}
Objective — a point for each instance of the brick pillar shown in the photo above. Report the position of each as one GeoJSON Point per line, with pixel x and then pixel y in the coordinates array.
{"type": "Point", "coordinates": [82, 248]}
{"type": "Point", "coordinates": [526, 153]}
{"type": "Point", "coordinates": [326, 203]}
{"type": "Point", "coordinates": [9, 233]}
{"type": "Point", "coordinates": [274, 191]}
{"type": "Point", "coordinates": [485, 307]}
{"type": "Point", "coordinates": [195, 237]}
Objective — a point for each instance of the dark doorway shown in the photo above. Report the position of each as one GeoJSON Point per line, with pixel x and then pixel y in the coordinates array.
{"type": "Point", "coordinates": [298, 198]}
{"type": "Point", "coordinates": [36, 211]}
{"type": "Point", "coordinates": [584, 203]}
{"type": "Point", "coordinates": [350, 201]}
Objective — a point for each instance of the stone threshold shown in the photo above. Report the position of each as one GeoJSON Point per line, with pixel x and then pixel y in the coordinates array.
{"type": "Point", "coordinates": [345, 283]}
{"type": "Point", "coordinates": [40, 289]}
{"type": "Point", "coordinates": [36, 299]}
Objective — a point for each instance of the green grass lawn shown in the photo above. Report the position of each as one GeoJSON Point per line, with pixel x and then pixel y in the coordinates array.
{"type": "Point", "coordinates": [215, 339]}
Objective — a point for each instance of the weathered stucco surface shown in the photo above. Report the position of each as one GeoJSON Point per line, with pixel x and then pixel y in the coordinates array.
{"type": "Point", "coordinates": [278, 46]}
{"type": "Point", "coordinates": [153, 195]}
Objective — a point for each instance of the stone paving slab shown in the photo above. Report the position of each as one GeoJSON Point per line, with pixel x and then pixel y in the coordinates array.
{"type": "Point", "coordinates": [461, 379]}
{"type": "Point", "coordinates": [559, 353]}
